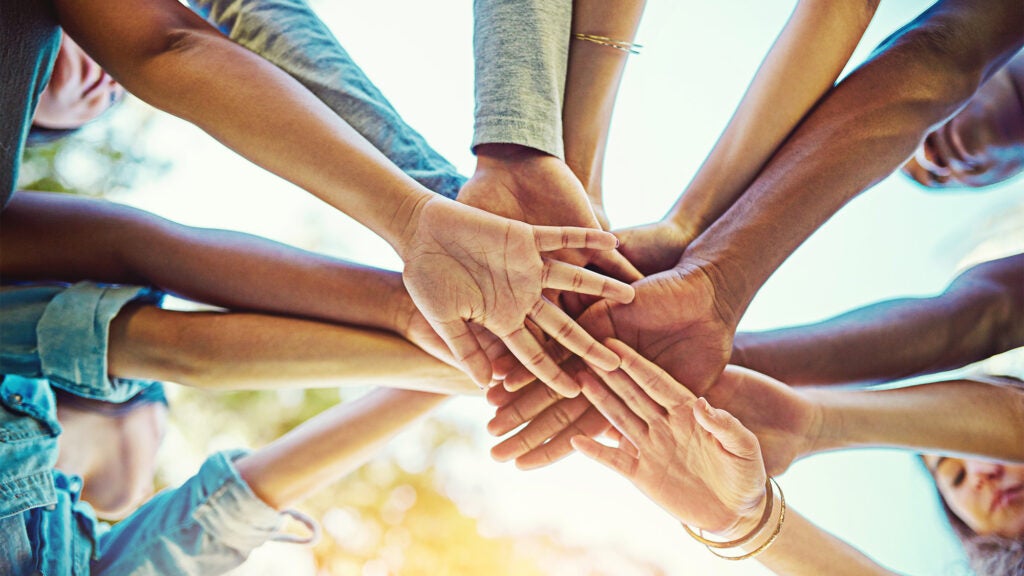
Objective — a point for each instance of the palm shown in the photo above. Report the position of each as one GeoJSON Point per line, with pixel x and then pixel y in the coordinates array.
{"type": "Point", "coordinates": [466, 266]}
{"type": "Point", "coordinates": [672, 321]}
{"type": "Point", "coordinates": [542, 191]}
{"type": "Point", "coordinates": [784, 422]}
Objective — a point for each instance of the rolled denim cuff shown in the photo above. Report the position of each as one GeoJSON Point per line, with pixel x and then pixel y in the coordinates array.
{"type": "Point", "coordinates": [73, 335]}
{"type": "Point", "coordinates": [233, 515]}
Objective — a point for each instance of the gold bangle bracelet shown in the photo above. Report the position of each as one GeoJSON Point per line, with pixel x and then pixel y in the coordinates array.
{"type": "Point", "coordinates": [771, 539]}
{"type": "Point", "coordinates": [765, 517]}
{"type": "Point", "coordinates": [622, 45]}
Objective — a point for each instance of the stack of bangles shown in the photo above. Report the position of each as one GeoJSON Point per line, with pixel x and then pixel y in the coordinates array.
{"type": "Point", "coordinates": [622, 45]}
{"type": "Point", "coordinates": [714, 545]}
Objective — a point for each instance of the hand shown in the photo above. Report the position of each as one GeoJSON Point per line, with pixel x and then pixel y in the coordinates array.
{"type": "Point", "coordinates": [527, 185]}
{"type": "Point", "coordinates": [697, 462]}
{"type": "Point", "coordinates": [982, 145]}
{"type": "Point", "coordinates": [463, 265]}
{"type": "Point", "coordinates": [654, 247]}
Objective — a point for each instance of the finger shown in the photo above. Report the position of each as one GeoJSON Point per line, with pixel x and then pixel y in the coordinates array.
{"type": "Point", "coordinates": [613, 408]}
{"type": "Point", "coordinates": [562, 276]}
{"type": "Point", "coordinates": [502, 361]}
{"type": "Point", "coordinates": [591, 424]}
{"type": "Point", "coordinates": [571, 335]}
{"type": "Point", "coordinates": [657, 383]}
{"type": "Point", "coordinates": [549, 238]}
{"type": "Point", "coordinates": [498, 396]}
{"type": "Point", "coordinates": [631, 394]}
{"type": "Point", "coordinates": [526, 406]}
{"type": "Point", "coordinates": [615, 458]}
{"type": "Point", "coordinates": [546, 425]}
{"type": "Point", "coordinates": [615, 264]}
{"type": "Point", "coordinates": [728, 430]}
{"type": "Point", "coordinates": [466, 349]}
{"type": "Point", "coordinates": [533, 356]}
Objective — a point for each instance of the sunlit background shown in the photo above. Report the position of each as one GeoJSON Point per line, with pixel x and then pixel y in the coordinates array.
{"type": "Point", "coordinates": [433, 502]}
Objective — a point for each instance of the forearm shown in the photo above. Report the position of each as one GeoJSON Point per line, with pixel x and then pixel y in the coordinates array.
{"type": "Point", "coordinates": [980, 315]}
{"type": "Point", "coordinates": [805, 549]}
{"type": "Point", "coordinates": [254, 351]}
{"type": "Point", "coordinates": [170, 58]}
{"type": "Point", "coordinates": [57, 237]}
{"type": "Point", "coordinates": [956, 417]}
{"type": "Point", "coordinates": [520, 52]}
{"type": "Point", "coordinates": [863, 129]}
{"type": "Point", "coordinates": [290, 35]}
{"type": "Point", "coordinates": [331, 445]}
{"type": "Point", "coordinates": [801, 66]}
{"type": "Point", "coordinates": [592, 84]}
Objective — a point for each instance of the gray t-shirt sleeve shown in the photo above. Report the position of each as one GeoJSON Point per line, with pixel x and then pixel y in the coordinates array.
{"type": "Point", "coordinates": [521, 50]}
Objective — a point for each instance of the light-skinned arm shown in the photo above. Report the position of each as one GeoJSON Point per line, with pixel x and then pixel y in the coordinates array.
{"type": "Point", "coordinates": [979, 315]}
{"type": "Point", "coordinates": [240, 350]}
{"type": "Point", "coordinates": [330, 445]}
{"type": "Point", "coordinates": [802, 65]}
{"type": "Point", "coordinates": [174, 60]}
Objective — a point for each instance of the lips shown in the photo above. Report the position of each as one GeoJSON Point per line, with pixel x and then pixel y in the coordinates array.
{"type": "Point", "coordinates": [1005, 496]}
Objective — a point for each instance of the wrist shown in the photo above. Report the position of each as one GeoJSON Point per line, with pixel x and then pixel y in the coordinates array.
{"type": "Point", "coordinates": [726, 302]}
{"type": "Point", "coordinates": [748, 522]}
{"type": "Point", "coordinates": [500, 155]}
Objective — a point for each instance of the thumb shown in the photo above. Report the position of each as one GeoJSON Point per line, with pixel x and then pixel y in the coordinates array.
{"type": "Point", "coordinates": [728, 430]}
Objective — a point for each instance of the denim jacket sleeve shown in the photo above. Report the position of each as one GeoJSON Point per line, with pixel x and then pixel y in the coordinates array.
{"type": "Point", "coordinates": [207, 526]}
{"type": "Point", "coordinates": [60, 333]}
{"type": "Point", "coordinates": [289, 34]}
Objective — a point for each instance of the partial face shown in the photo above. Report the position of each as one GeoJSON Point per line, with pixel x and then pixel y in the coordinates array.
{"type": "Point", "coordinates": [987, 496]}
{"type": "Point", "coordinates": [982, 145]}
{"type": "Point", "coordinates": [78, 92]}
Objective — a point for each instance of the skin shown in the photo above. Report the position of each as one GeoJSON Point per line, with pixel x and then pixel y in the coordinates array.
{"type": "Point", "coordinates": [684, 319]}
{"type": "Point", "coordinates": [704, 466]}
{"type": "Point", "coordinates": [172, 59]}
{"type": "Point", "coordinates": [79, 90]}
{"type": "Point", "coordinates": [983, 144]}
{"type": "Point", "coordinates": [114, 455]}
{"type": "Point", "coordinates": [988, 496]}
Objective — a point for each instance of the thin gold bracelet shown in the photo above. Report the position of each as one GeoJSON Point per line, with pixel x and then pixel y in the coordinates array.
{"type": "Point", "coordinates": [622, 45]}
{"type": "Point", "coordinates": [765, 517]}
{"type": "Point", "coordinates": [770, 540]}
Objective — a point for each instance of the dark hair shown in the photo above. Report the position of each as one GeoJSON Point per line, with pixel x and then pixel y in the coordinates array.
{"type": "Point", "coordinates": [39, 136]}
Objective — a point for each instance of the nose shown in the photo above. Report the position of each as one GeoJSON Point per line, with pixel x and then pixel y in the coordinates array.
{"type": "Point", "coordinates": [979, 472]}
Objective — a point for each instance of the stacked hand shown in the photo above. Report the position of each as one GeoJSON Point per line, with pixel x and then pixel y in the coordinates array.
{"type": "Point", "coordinates": [466, 269]}
{"type": "Point", "coordinates": [696, 461]}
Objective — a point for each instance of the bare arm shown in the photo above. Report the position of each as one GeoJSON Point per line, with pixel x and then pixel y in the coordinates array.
{"type": "Point", "coordinates": [979, 315]}
{"type": "Point", "coordinates": [957, 417]}
{"type": "Point", "coordinates": [106, 242]}
{"type": "Point", "coordinates": [859, 133]}
{"type": "Point", "coordinates": [802, 65]}
{"type": "Point", "coordinates": [330, 445]}
{"type": "Point", "coordinates": [591, 86]}
{"type": "Point", "coordinates": [236, 350]}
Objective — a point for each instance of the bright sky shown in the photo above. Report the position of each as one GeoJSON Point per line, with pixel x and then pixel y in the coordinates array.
{"type": "Point", "coordinates": [677, 96]}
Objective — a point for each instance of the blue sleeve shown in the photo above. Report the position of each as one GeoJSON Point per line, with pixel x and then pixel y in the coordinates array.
{"type": "Point", "coordinates": [207, 526]}
{"type": "Point", "coordinates": [60, 333]}
{"type": "Point", "coordinates": [289, 34]}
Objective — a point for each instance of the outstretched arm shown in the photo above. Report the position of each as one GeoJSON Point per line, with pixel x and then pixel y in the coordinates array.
{"type": "Point", "coordinates": [103, 241]}
{"type": "Point", "coordinates": [801, 66]}
{"type": "Point", "coordinates": [980, 314]}
{"type": "Point", "coordinates": [238, 350]}
{"type": "Point", "coordinates": [331, 445]}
